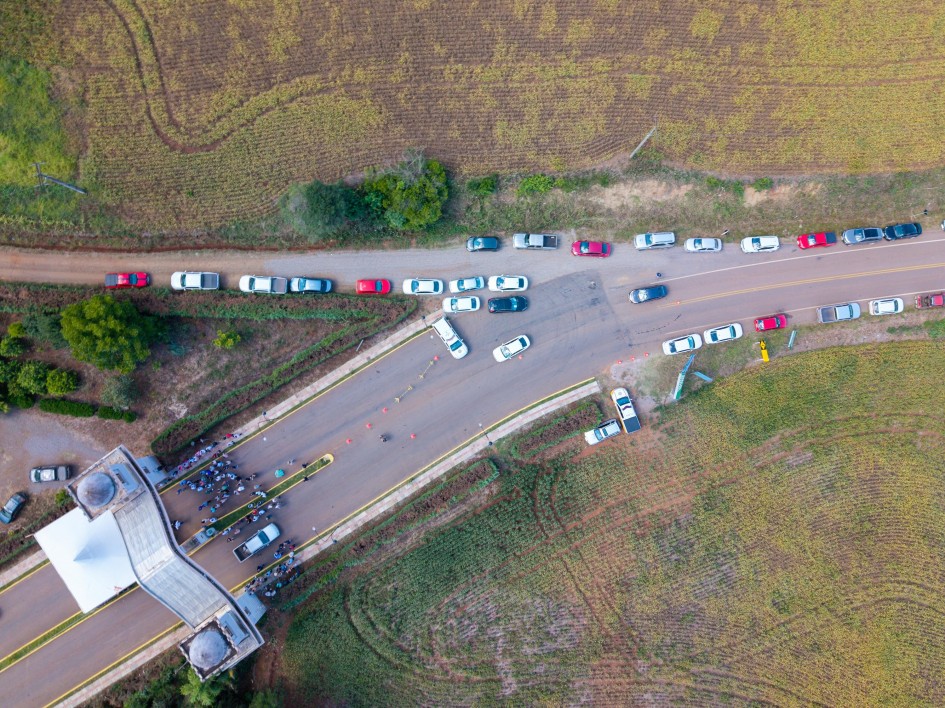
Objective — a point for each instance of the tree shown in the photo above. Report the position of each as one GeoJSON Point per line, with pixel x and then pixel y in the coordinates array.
{"type": "Point", "coordinates": [109, 334]}
{"type": "Point", "coordinates": [119, 392]}
{"type": "Point", "coordinates": [318, 209]}
{"type": "Point", "coordinates": [411, 195]}
{"type": "Point", "coordinates": [227, 340]}
{"type": "Point", "coordinates": [16, 330]}
{"type": "Point", "coordinates": [44, 328]}
{"type": "Point", "coordinates": [9, 368]}
{"type": "Point", "coordinates": [32, 377]}
{"type": "Point", "coordinates": [483, 187]}
{"type": "Point", "coordinates": [12, 346]}
{"type": "Point", "coordinates": [269, 698]}
{"type": "Point", "coordinates": [203, 693]}
{"type": "Point", "coordinates": [59, 382]}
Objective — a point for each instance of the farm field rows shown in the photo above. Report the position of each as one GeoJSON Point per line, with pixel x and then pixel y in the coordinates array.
{"type": "Point", "coordinates": [203, 113]}
{"type": "Point", "coordinates": [788, 552]}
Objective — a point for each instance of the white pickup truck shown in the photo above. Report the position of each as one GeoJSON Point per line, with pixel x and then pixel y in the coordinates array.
{"type": "Point", "coordinates": [256, 543]}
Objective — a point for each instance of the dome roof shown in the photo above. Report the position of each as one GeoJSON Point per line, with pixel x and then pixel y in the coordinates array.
{"type": "Point", "coordinates": [207, 649]}
{"type": "Point", "coordinates": [96, 490]}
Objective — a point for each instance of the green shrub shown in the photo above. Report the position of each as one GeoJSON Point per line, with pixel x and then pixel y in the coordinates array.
{"type": "Point", "coordinates": [226, 340]}
{"type": "Point", "coordinates": [115, 414]}
{"type": "Point", "coordinates": [62, 498]}
{"type": "Point", "coordinates": [535, 184]}
{"type": "Point", "coordinates": [44, 328]}
{"type": "Point", "coordinates": [935, 328]}
{"type": "Point", "coordinates": [725, 185]}
{"type": "Point", "coordinates": [59, 382]}
{"type": "Point", "coordinates": [483, 187]}
{"type": "Point", "coordinates": [762, 184]}
{"type": "Point", "coordinates": [12, 346]}
{"type": "Point", "coordinates": [577, 183]}
{"type": "Point", "coordinates": [119, 392]}
{"type": "Point", "coordinates": [20, 398]}
{"type": "Point", "coordinates": [409, 196]}
{"type": "Point", "coordinates": [16, 330]}
{"type": "Point", "coordinates": [9, 369]}
{"type": "Point", "coordinates": [32, 377]}
{"type": "Point", "coordinates": [76, 409]}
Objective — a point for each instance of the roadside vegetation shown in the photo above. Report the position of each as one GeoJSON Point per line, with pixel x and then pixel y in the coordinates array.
{"type": "Point", "coordinates": [782, 518]}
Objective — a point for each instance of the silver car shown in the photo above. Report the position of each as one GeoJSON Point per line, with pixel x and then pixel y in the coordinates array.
{"type": "Point", "coordinates": [760, 244]}
{"type": "Point", "coordinates": [703, 245]}
{"type": "Point", "coordinates": [187, 280]}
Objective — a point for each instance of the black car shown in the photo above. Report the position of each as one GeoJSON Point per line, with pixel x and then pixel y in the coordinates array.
{"type": "Point", "coordinates": [482, 243]}
{"type": "Point", "coordinates": [654, 292]}
{"type": "Point", "coordinates": [898, 231]}
{"type": "Point", "coordinates": [516, 303]}
{"type": "Point", "coordinates": [12, 508]}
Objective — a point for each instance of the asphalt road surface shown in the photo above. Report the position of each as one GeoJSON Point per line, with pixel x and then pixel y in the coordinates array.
{"type": "Point", "coordinates": [579, 321]}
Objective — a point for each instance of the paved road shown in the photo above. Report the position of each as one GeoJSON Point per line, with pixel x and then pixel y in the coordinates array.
{"type": "Point", "coordinates": [580, 322]}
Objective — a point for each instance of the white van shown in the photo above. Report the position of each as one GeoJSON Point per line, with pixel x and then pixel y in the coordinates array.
{"type": "Point", "coordinates": [661, 239]}
{"type": "Point", "coordinates": [445, 331]}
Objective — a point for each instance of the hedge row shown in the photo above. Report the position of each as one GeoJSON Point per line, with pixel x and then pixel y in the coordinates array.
{"type": "Point", "coordinates": [77, 409]}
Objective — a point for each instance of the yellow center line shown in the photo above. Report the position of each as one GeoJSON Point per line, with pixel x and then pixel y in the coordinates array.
{"type": "Point", "coordinates": [805, 281]}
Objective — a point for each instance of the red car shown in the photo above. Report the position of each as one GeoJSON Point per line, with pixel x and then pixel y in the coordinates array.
{"type": "Point", "coordinates": [763, 324]}
{"type": "Point", "coordinates": [934, 300]}
{"type": "Point", "coordinates": [824, 238]}
{"type": "Point", "coordinates": [114, 281]}
{"type": "Point", "coordinates": [595, 249]}
{"type": "Point", "coordinates": [373, 287]}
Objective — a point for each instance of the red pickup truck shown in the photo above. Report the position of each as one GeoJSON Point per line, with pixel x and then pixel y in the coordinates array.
{"type": "Point", "coordinates": [935, 300]}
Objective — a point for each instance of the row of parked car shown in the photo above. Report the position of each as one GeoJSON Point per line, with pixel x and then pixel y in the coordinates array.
{"type": "Point", "coordinates": [189, 280]}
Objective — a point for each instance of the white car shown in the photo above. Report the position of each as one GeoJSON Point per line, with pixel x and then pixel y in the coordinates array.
{"type": "Point", "coordinates": [466, 284]}
{"type": "Point", "coordinates": [186, 280]}
{"type": "Point", "coordinates": [511, 348]}
{"type": "Point", "coordinates": [626, 411]}
{"type": "Point", "coordinates": [423, 286]}
{"type": "Point", "coordinates": [269, 284]}
{"type": "Point", "coordinates": [605, 430]}
{"type": "Point", "coordinates": [445, 331]}
{"type": "Point", "coordinates": [703, 245]}
{"type": "Point", "coordinates": [659, 239]}
{"type": "Point", "coordinates": [760, 244]}
{"type": "Point", "coordinates": [461, 304]}
{"type": "Point", "coordinates": [723, 334]}
{"type": "Point", "coordinates": [508, 283]}
{"type": "Point", "coordinates": [681, 345]}
{"type": "Point", "coordinates": [886, 306]}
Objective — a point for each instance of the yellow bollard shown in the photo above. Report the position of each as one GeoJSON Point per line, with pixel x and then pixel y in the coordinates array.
{"type": "Point", "coordinates": [764, 351]}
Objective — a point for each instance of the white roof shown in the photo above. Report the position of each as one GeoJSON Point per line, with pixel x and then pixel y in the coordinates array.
{"type": "Point", "coordinates": [90, 556]}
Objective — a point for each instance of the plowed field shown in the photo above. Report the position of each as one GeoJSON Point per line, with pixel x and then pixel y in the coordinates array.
{"type": "Point", "coordinates": [775, 539]}
{"type": "Point", "coordinates": [204, 112]}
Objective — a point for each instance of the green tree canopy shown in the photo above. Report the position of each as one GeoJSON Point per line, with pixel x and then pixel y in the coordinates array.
{"type": "Point", "coordinates": [32, 377]}
{"type": "Point", "coordinates": [203, 693]}
{"type": "Point", "coordinates": [409, 196]}
{"type": "Point", "coordinates": [109, 334]}
{"type": "Point", "coordinates": [12, 346]}
{"type": "Point", "coordinates": [59, 382]}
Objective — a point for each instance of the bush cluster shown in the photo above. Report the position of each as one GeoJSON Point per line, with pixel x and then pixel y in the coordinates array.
{"type": "Point", "coordinates": [76, 409]}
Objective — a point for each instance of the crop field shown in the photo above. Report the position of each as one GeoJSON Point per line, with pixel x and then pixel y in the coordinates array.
{"type": "Point", "coordinates": [203, 113]}
{"type": "Point", "coordinates": [773, 539]}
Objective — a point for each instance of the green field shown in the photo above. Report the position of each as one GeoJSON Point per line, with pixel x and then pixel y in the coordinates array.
{"type": "Point", "coordinates": [774, 538]}
{"type": "Point", "coordinates": [204, 113]}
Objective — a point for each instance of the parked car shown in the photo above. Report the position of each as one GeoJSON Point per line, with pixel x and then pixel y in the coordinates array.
{"type": "Point", "coordinates": [511, 348]}
{"type": "Point", "coordinates": [508, 283]}
{"type": "Point", "coordinates": [933, 300]}
{"type": "Point", "coordinates": [818, 240]}
{"type": "Point", "coordinates": [887, 306]}
{"type": "Point", "coordinates": [50, 473]}
{"type": "Point", "coordinates": [605, 430]}
{"type": "Point", "coordinates": [595, 249]}
{"type": "Point", "coordinates": [727, 333]}
{"type": "Point", "coordinates": [763, 324]}
{"type": "Point", "coordinates": [851, 237]}
{"type": "Point", "coordinates": [898, 231]}
{"type": "Point", "coordinates": [541, 242]}
{"type": "Point", "coordinates": [703, 245]}
{"type": "Point", "coordinates": [514, 303]}
{"type": "Point", "coordinates": [445, 331]}
{"type": "Point", "coordinates": [482, 243]}
{"type": "Point", "coordinates": [838, 313]}
{"type": "Point", "coordinates": [461, 304]}
{"type": "Point", "coordinates": [760, 244]}
{"type": "Point", "coordinates": [423, 286]}
{"type": "Point", "coordinates": [309, 285]}
{"type": "Point", "coordinates": [652, 292]}
{"type": "Point", "coordinates": [373, 287]}
{"type": "Point", "coordinates": [190, 280]}
{"type": "Point", "coordinates": [466, 284]}
{"type": "Point", "coordinates": [682, 345]}
{"type": "Point", "coordinates": [265, 284]}
{"type": "Point", "coordinates": [116, 281]}
{"type": "Point", "coordinates": [660, 239]}
{"type": "Point", "coordinates": [625, 410]}
{"type": "Point", "coordinates": [12, 508]}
